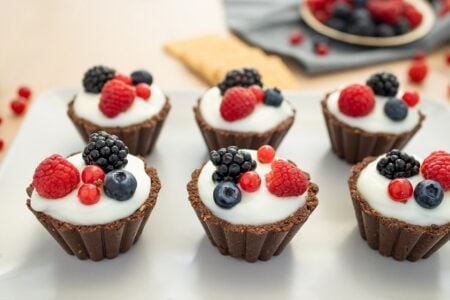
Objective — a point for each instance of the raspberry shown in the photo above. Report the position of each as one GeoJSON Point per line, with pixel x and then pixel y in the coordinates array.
{"type": "Point", "coordinates": [385, 11]}
{"type": "Point", "coordinates": [266, 154]}
{"type": "Point", "coordinates": [88, 194]}
{"type": "Point", "coordinates": [24, 92]}
{"type": "Point", "coordinates": [418, 71]}
{"type": "Point", "coordinates": [116, 97]}
{"type": "Point", "coordinates": [250, 181]}
{"type": "Point", "coordinates": [356, 100]}
{"type": "Point", "coordinates": [411, 14]}
{"type": "Point", "coordinates": [143, 91]}
{"type": "Point", "coordinates": [93, 174]}
{"type": "Point", "coordinates": [258, 92]}
{"type": "Point", "coordinates": [55, 177]}
{"type": "Point", "coordinates": [237, 103]}
{"type": "Point", "coordinates": [411, 98]}
{"type": "Point", "coordinates": [400, 189]}
{"type": "Point", "coordinates": [322, 49]}
{"type": "Point", "coordinates": [437, 167]}
{"type": "Point", "coordinates": [296, 38]}
{"type": "Point", "coordinates": [18, 106]}
{"type": "Point", "coordinates": [124, 78]}
{"type": "Point", "coordinates": [286, 180]}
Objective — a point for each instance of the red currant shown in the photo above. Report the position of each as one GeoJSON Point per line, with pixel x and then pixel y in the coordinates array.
{"type": "Point", "coordinates": [24, 92]}
{"type": "Point", "coordinates": [143, 91]}
{"type": "Point", "coordinates": [2, 144]}
{"type": "Point", "coordinates": [296, 38]}
{"type": "Point", "coordinates": [88, 194]}
{"type": "Point", "coordinates": [266, 154]}
{"type": "Point", "coordinates": [18, 106]}
{"type": "Point", "coordinates": [411, 98]}
{"type": "Point", "coordinates": [258, 92]}
{"type": "Point", "coordinates": [250, 181]}
{"type": "Point", "coordinates": [322, 49]}
{"type": "Point", "coordinates": [418, 71]}
{"type": "Point", "coordinates": [124, 78]}
{"type": "Point", "coordinates": [400, 189]}
{"type": "Point", "coordinates": [93, 174]}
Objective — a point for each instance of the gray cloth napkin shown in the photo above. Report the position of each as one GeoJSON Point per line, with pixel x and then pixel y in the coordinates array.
{"type": "Point", "coordinates": [269, 23]}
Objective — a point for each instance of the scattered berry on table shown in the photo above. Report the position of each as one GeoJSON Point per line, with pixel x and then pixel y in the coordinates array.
{"type": "Point", "coordinates": [124, 78]}
{"type": "Point", "coordinates": [24, 92]}
{"type": "Point", "coordinates": [447, 57]}
{"type": "Point", "coordinates": [120, 185]}
{"type": "Point", "coordinates": [18, 106]}
{"type": "Point", "coordinates": [227, 194]}
{"type": "Point", "coordinates": [411, 98]}
{"type": "Point", "coordinates": [356, 100]}
{"type": "Point", "coordinates": [400, 189]}
{"type": "Point", "coordinates": [250, 181]}
{"type": "Point", "coordinates": [418, 71]}
{"type": "Point", "coordinates": [396, 109]}
{"type": "Point", "coordinates": [398, 164]}
{"type": "Point", "coordinates": [1, 120]}
{"type": "Point", "coordinates": [273, 97]}
{"type": "Point", "coordinates": [428, 194]}
{"type": "Point", "coordinates": [437, 167]}
{"type": "Point", "coordinates": [116, 97]}
{"type": "Point", "coordinates": [419, 55]}
{"type": "Point", "coordinates": [106, 151]}
{"type": "Point", "coordinates": [2, 144]}
{"type": "Point", "coordinates": [142, 76]}
{"type": "Point", "coordinates": [286, 180]}
{"type": "Point", "coordinates": [231, 163]}
{"type": "Point", "coordinates": [237, 103]}
{"type": "Point", "coordinates": [383, 84]}
{"type": "Point", "coordinates": [258, 92]}
{"type": "Point", "coordinates": [88, 194]}
{"type": "Point", "coordinates": [93, 174]}
{"type": "Point", "coordinates": [266, 154]}
{"type": "Point", "coordinates": [95, 78]}
{"type": "Point", "coordinates": [240, 77]}
{"type": "Point", "coordinates": [413, 16]}
{"type": "Point", "coordinates": [143, 91]}
{"type": "Point", "coordinates": [322, 49]}
{"type": "Point", "coordinates": [296, 38]}
{"type": "Point", "coordinates": [385, 11]}
{"type": "Point", "coordinates": [55, 177]}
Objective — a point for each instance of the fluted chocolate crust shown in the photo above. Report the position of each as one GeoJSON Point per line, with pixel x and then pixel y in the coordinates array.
{"type": "Point", "coordinates": [353, 144]}
{"type": "Point", "coordinates": [140, 138]}
{"type": "Point", "coordinates": [96, 242]}
{"type": "Point", "coordinates": [250, 242]}
{"type": "Point", "coordinates": [392, 237]}
{"type": "Point", "coordinates": [218, 138]}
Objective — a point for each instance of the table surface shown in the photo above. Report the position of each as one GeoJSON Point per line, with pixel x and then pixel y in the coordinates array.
{"type": "Point", "coordinates": [50, 43]}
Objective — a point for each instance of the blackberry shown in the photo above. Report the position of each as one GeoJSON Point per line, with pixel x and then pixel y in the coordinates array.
{"type": "Point", "coordinates": [383, 84]}
{"type": "Point", "coordinates": [398, 164]}
{"type": "Point", "coordinates": [245, 77]}
{"type": "Point", "coordinates": [95, 78]}
{"type": "Point", "coordinates": [106, 151]}
{"type": "Point", "coordinates": [231, 163]}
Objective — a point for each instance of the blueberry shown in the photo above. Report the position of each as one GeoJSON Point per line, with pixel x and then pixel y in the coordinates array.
{"type": "Point", "coordinates": [364, 27]}
{"type": "Point", "coordinates": [120, 185]}
{"type": "Point", "coordinates": [359, 3]}
{"type": "Point", "coordinates": [396, 109]}
{"type": "Point", "coordinates": [385, 30]}
{"type": "Point", "coordinates": [141, 76]}
{"type": "Point", "coordinates": [402, 26]}
{"type": "Point", "coordinates": [428, 193]}
{"type": "Point", "coordinates": [227, 194]}
{"type": "Point", "coordinates": [342, 10]}
{"type": "Point", "coordinates": [360, 14]}
{"type": "Point", "coordinates": [336, 23]}
{"type": "Point", "coordinates": [273, 97]}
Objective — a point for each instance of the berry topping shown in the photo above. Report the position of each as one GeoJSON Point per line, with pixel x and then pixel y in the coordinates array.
{"type": "Point", "coordinates": [258, 92]}
{"type": "Point", "coordinates": [227, 194]}
{"type": "Point", "coordinates": [400, 189]}
{"type": "Point", "coordinates": [18, 106]}
{"type": "Point", "coordinates": [437, 167]}
{"type": "Point", "coordinates": [428, 193]}
{"type": "Point", "coordinates": [411, 14]}
{"type": "Point", "coordinates": [396, 109]}
{"type": "Point", "coordinates": [250, 181]}
{"type": "Point", "coordinates": [141, 76]}
{"type": "Point", "coordinates": [24, 92]}
{"type": "Point", "coordinates": [55, 177]}
{"type": "Point", "coordinates": [411, 98]}
{"type": "Point", "coordinates": [116, 97]}
{"type": "Point", "coordinates": [296, 38]}
{"type": "Point", "coordinates": [244, 78]}
{"type": "Point", "coordinates": [106, 151]}
{"type": "Point", "coordinates": [143, 91]}
{"type": "Point", "coordinates": [237, 103]}
{"type": "Point", "coordinates": [88, 194]}
{"type": "Point", "coordinates": [286, 180]}
{"type": "Point", "coordinates": [385, 11]}
{"type": "Point", "coordinates": [95, 78]}
{"type": "Point", "coordinates": [124, 78]}
{"type": "Point", "coordinates": [273, 97]}
{"type": "Point", "coordinates": [93, 174]}
{"type": "Point", "coordinates": [231, 163]}
{"type": "Point", "coordinates": [398, 164]}
{"type": "Point", "coordinates": [356, 100]}
{"type": "Point", "coordinates": [418, 71]}
{"type": "Point", "coordinates": [266, 154]}
{"type": "Point", "coordinates": [383, 84]}
{"type": "Point", "coordinates": [120, 185]}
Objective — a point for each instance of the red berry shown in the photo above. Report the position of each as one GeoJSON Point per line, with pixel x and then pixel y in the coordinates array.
{"type": "Point", "coordinates": [124, 78]}
{"type": "Point", "coordinates": [447, 57]}
{"type": "Point", "coordinates": [1, 120]}
{"type": "Point", "coordinates": [93, 174]}
{"type": "Point", "coordinates": [418, 71]}
{"type": "Point", "coordinates": [266, 154]}
{"type": "Point", "coordinates": [321, 15]}
{"type": "Point", "coordinates": [411, 14]}
{"type": "Point", "coordinates": [445, 8]}
{"type": "Point", "coordinates": [411, 98]}
{"type": "Point", "coordinates": [385, 11]}
{"type": "Point", "coordinates": [2, 144]}
{"type": "Point", "coordinates": [356, 100]}
{"type": "Point", "coordinates": [250, 181]}
{"type": "Point", "coordinates": [419, 55]}
{"type": "Point", "coordinates": [400, 189]}
{"type": "Point", "coordinates": [286, 180]}
{"type": "Point", "coordinates": [143, 91]}
{"type": "Point", "coordinates": [316, 4]}
{"type": "Point", "coordinates": [296, 38]}
{"type": "Point", "coordinates": [116, 97]}
{"type": "Point", "coordinates": [322, 49]}
{"type": "Point", "coordinates": [258, 92]}
{"type": "Point", "coordinates": [55, 177]}
{"type": "Point", "coordinates": [88, 194]}
{"type": "Point", "coordinates": [24, 92]}
{"type": "Point", "coordinates": [237, 103]}
{"type": "Point", "coordinates": [437, 167]}
{"type": "Point", "coordinates": [18, 106]}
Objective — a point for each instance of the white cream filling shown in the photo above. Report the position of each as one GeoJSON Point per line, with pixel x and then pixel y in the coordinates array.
{"type": "Point", "coordinates": [257, 208]}
{"type": "Point", "coordinates": [374, 188]}
{"type": "Point", "coordinates": [263, 118]}
{"type": "Point", "coordinates": [69, 208]}
{"type": "Point", "coordinates": [86, 107]}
